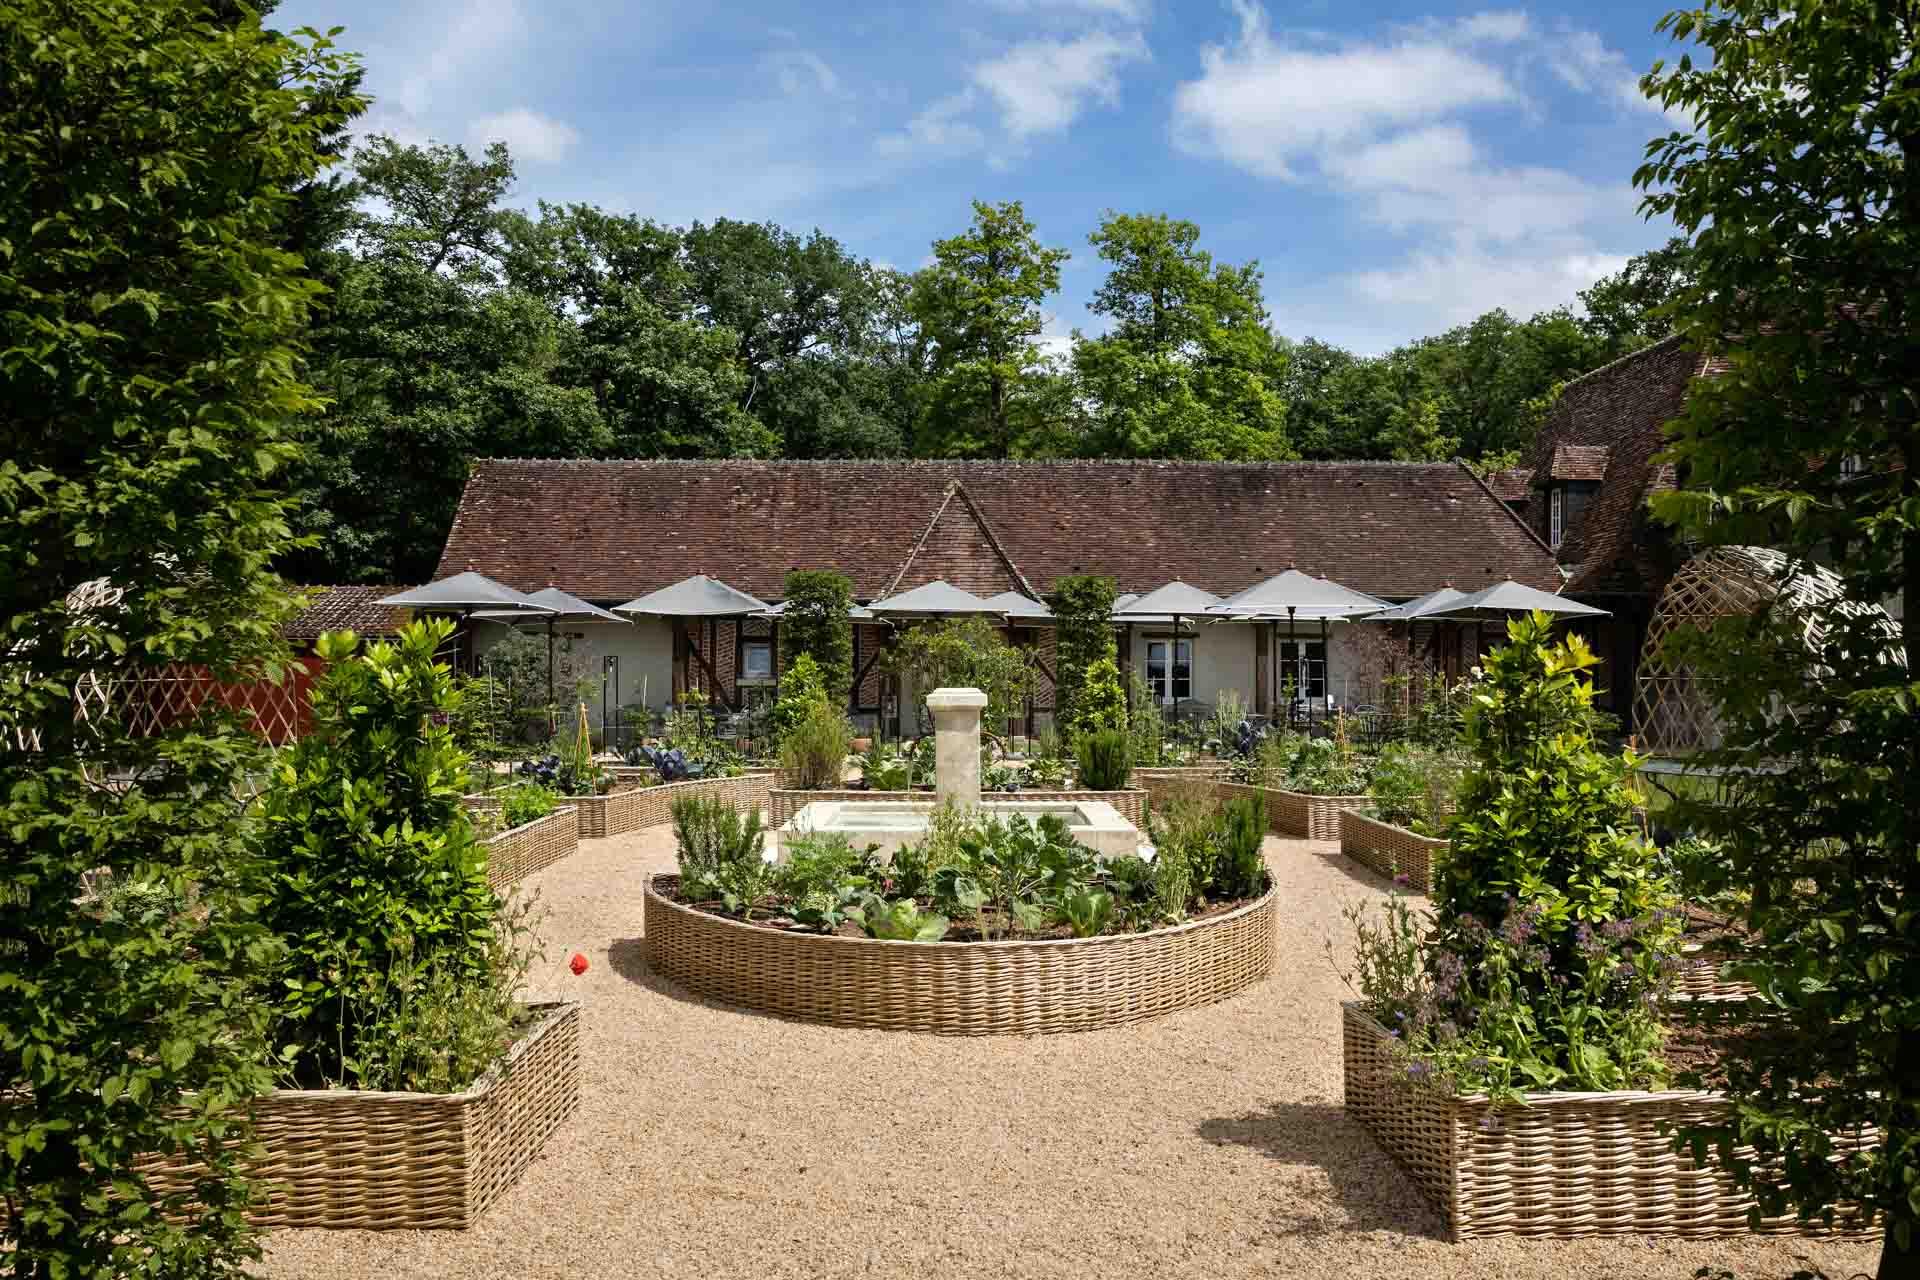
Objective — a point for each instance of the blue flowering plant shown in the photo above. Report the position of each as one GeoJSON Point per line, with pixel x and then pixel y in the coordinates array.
{"type": "Point", "coordinates": [1554, 931]}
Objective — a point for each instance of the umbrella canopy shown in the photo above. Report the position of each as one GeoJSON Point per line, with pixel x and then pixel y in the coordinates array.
{"type": "Point", "coordinates": [936, 598]}
{"type": "Point", "coordinates": [1015, 605]}
{"type": "Point", "coordinates": [464, 592]}
{"type": "Point", "coordinates": [695, 597]}
{"type": "Point", "coordinates": [1294, 594]}
{"type": "Point", "coordinates": [1503, 598]}
{"type": "Point", "coordinates": [1164, 604]}
{"type": "Point", "coordinates": [857, 613]}
{"type": "Point", "coordinates": [1430, 603]}
{"type": "Point", "coordinates": [566, 608]}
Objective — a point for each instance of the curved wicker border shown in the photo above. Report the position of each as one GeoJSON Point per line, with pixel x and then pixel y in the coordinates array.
{"type": "Point", "coordinates": [961, 988]}
{"type": "Point", "coordinates": [1565, 1165]}
{"type": "Point", "coordinates": [347, 1158]}
{"type": "Point", "coordinates": [532, 846]}
{"type": "Point", "coordinates": [1699, 979]}
{"type": "Point", "coordinates": [783, 803]}
{"type": "Point", "coordinates": [1388, 849]}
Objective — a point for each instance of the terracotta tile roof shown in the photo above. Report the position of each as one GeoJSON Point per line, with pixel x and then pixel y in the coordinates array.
{"type": "Point", "coordinates": [1616, 413]}
{"type": "Point", "coordinates": [1580, 461]}
{"type": "Point", "coordinates": [341, 609]}
{"type": "Point", "coordinates": [1515, 484]}
{"type": "Point", "coordinates": [613, 530]}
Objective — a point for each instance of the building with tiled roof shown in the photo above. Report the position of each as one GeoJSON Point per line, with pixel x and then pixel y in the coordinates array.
{"type": "Point", "coordinates": [343, 608]}
{"type": "Point", "coordinates": [610, 531]}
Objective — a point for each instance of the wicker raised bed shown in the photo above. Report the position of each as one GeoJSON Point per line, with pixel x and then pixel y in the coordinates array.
{"type": "Point", "coordinates": [517, 853]}
{"type": "Point", "coordinates": [1565, 1165]}
{"type": "Point", "coordinates": [960, 988]}
{"type": "Point", "coordinates": [1389, 849]}
{"type": "Point", "coordinates": [782, 804]}
{"type": "Point", "coordinates": [379, 1161]}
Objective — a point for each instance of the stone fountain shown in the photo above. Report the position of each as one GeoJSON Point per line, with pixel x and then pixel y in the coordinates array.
{"type": "Point", "coordinates": [893, 819]}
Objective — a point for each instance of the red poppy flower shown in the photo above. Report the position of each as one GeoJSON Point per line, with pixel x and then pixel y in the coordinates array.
{"type": "Point", "coordinates": [578, 964]}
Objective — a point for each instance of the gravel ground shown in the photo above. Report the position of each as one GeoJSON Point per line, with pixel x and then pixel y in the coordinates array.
{"type": "Point", "coordinates": [713, 1142]}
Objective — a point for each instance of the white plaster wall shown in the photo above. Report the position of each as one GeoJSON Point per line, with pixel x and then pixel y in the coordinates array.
{"type": "Point", "coordinates": [644, 647]}
{"type": "Point", "coordinates": [1223, 657]}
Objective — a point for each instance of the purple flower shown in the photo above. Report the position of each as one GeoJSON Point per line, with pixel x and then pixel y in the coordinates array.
{"type": "Point", "coordinates": [1403, 880]}
{"type": "Point", "coordinates": [1418, 1070]}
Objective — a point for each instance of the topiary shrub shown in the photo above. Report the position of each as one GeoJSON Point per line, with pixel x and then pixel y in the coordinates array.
{"type": "Point", "coordinates": [801, 685]}
{"type": "Point", "coordinates": [1106, 759]}
{"type": "Point", "coordinates": [1103, 702]}
{"type": "Point", "coordinates": [814, 626]}
{"type": "Point", "coordinates": [372, 865]}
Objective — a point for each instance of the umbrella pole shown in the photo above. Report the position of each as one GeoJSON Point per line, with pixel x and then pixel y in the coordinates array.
{"type": "Point", "coordinates": [552, 696]}
{"type": "Point", "coordinates": [1326, 663]}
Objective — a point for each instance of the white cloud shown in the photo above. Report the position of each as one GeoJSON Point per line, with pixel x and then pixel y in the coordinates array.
{"type": "Point", "coordinates": [1041, 86]}
{"type": "Point", "coordinates": [798, 71]}
{"type": "Point", "coordinates": [1267, 106]}
{"type": "Point", "coordinates": [940, 127]}
{"type": "Point", "coordinates": [529, 135]}
{"type": "Point", "coordinates": [1125, 10]}
{"type": "Point", "coordinates": [1387, 128]}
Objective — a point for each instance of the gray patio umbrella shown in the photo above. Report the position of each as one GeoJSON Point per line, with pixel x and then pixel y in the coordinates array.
{"type": "Point", "coordinates": [1170, 603]}
{"type": "Point", "coordinates": [465, 594]}
{"type": "Point", "coordinates": [935, 599]}
{"type": "Point", "coordinates": [1015, 605]}
{"type": "Point", "coordinates": [1503, 599]}
{"type": "Point", "coordinates": [695, 597]}
{"type": "Point", "coordinates": [1430, 603]}
{"type": "Point", "coordinates": [1509, 597]}
{"type": "Point", "coordinates": [568, 608]}
{"type": "Point", "coordinates": [1295, 595]}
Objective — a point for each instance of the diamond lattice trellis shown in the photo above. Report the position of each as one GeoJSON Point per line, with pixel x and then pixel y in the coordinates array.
{"type": "Point", "coordinates": [1673, 704]}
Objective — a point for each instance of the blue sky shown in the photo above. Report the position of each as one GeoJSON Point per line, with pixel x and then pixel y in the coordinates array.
{"type": "Point", "coordinates": [1396, 168]}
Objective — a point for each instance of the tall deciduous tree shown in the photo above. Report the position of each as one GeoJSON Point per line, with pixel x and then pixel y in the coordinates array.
{"type": "Point", "coordinates": [978, 306]}
{"type": "Point", "coordinates": [149, 325]}
{"type": "Point", "coordinates": [1189, 369]}
{"type": "Point", "coordinates": [1801, 187]}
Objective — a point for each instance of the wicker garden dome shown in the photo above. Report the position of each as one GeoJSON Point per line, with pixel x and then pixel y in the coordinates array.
{"type": "Point", "coordinates": [1672, 705]}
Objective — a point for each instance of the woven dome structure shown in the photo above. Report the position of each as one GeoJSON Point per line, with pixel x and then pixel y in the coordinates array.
{"type": "Point", "coordinates": [1673, 706]}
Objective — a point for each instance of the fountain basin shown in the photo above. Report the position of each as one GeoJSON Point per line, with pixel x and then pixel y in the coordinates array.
{"type": "Point", "coordinates": [893, 823]}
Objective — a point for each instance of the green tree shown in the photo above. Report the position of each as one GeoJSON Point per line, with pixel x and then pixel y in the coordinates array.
{"type": "Point", "coordinates": [1633, 307]}
{"type": "Point", "coordinates": [966, 653]}
{"type": "Point", "coordinates": [1189, 369]}
{"type": "Point", "coordinates": [978, 307]}
{"type": "Point", "coordinates": [150, 323]}
{"type": "Point", "coordinates": [814, 624]}
{"type": "Point", "coordinates": [1801, 189]}
{"type": "Point", "coordinates": [1082, 607]}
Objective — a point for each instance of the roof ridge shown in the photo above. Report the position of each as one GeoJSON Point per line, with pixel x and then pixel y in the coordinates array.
{"type": "Point", "coordinates": [1219, 464]}
{"type": "Point", "coordinates": [1671, 339]}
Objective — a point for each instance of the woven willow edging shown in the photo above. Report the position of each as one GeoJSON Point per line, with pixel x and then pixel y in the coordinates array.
{"type": "Point", "coordinates": [783, 804]}
{"type": "Point", "coordinates": [1700, 979]}
{"type": "Point", "coordinates": [516, 854]}
{"type": "Point", "coordinates": [1389, 849]}
{"type": "Point", "coordinates": [624, 811]}
{"type": "Point", "coordinates": [349, 1158]}
{"type": "Point", "coordinates": [960, 988]}
{"type": "Point", "coordinates": [1289, 813]}
{"type": "Point", "coordinates": [1565, 1165]}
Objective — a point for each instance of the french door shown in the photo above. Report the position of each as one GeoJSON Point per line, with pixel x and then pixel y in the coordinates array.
{"type": "Point", "coordinates": [1171, 681]}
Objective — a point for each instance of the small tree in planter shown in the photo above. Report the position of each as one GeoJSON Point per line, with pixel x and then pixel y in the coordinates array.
{"type": "Point", "coordinates": [1553, 930]}
{"type": "Point", "coordinates": [376, 883]}
{"type": "Point", "coordinates": [1082, 607]}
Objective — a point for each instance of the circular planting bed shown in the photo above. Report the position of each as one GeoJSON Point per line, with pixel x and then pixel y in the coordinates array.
{"type": "Point", "coordinates": [960, 988]}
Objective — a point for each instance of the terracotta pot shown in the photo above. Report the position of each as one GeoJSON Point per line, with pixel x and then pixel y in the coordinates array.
{"type": "Point", "coordinates": [862, 745]}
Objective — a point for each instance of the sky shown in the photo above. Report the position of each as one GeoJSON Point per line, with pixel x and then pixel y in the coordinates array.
{"type": "Point", "coordinates": [1395, 168]}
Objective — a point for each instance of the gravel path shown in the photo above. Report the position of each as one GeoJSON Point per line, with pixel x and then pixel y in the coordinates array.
{"type": "Point", "coordinates": [713, 1142]}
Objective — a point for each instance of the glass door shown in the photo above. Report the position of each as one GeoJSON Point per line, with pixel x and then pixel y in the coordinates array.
{"type": "Point", "coordinates": [1173, 682]}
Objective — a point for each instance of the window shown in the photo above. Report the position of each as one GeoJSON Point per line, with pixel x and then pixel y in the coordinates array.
{"type": "Point", "coordinates": [1556, 515]}
{"type": "Point", "coordinates": [756, 659]}
{"type": "Point", "coordinates": [1175, 685]}
{"type": "Point", "coordinates": [1303, 667]}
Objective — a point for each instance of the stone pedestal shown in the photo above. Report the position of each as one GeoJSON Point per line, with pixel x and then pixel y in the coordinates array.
{"type": "Point", "coordinates": [956, 744]}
